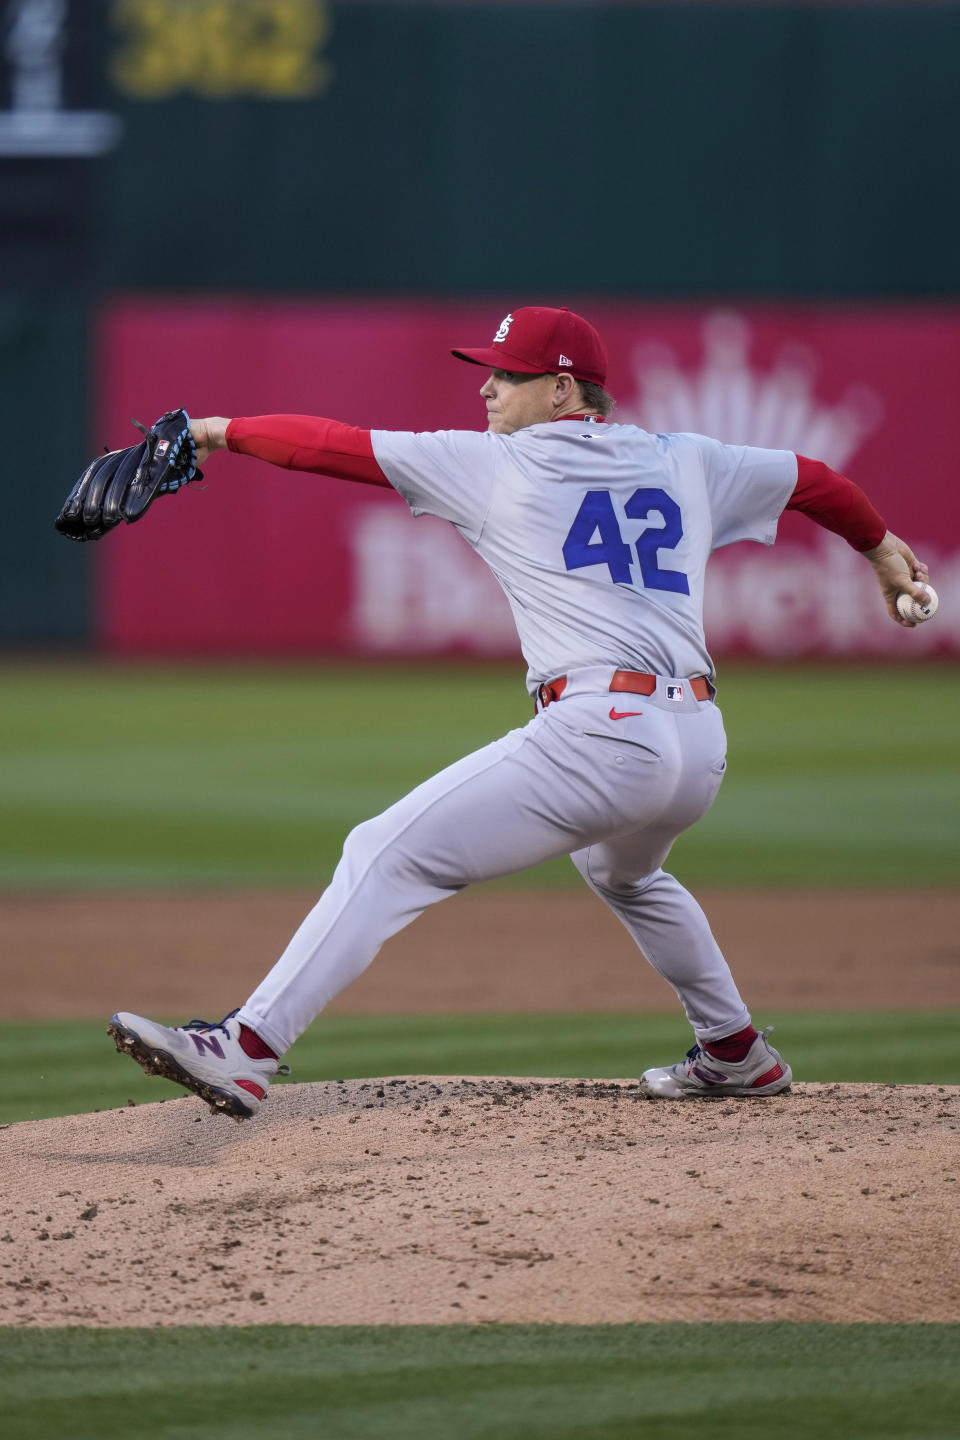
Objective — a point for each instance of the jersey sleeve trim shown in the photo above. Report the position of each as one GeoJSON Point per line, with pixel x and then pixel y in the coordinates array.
{"type": "Point", "coordinates": [747, 488]}
{"type": "Point", "coordinates": [446, 473]}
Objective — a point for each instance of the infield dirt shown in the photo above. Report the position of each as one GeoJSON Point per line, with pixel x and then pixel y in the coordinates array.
{"type": "Point", "coordinates": [182, 954]}
{"type": "Point", "coordinates": [412, 1200]}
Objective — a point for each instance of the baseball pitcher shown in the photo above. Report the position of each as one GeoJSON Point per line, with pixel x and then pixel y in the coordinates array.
{"type": "Point", "coordinates": [599, 534]}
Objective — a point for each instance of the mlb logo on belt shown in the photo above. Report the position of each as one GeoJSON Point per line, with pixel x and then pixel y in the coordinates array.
{"type": "Point", "coordinates": [674, 692]}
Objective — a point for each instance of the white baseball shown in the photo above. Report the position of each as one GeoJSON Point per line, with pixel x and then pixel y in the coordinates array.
{"type": "Point", "coordinates": [911, 609]}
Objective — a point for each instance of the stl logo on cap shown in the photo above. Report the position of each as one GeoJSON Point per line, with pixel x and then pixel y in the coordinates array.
{"type": "Point", "coordinates": [504, 330]}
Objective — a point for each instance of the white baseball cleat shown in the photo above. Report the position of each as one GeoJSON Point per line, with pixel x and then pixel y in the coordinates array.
{"type": "Point", "coordinates": [204, 1057]}
{"type": "Point", "coordinates": [700, 1075]}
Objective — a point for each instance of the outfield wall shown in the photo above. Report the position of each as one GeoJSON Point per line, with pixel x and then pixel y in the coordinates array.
{"type": "Point", "coordinates": [712, 151]}
{"type": "Point", "coordinates": [268, 562]}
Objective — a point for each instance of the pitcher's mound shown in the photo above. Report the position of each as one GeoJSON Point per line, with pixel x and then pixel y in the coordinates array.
{"type": "Point", "coordinates": [447, 1199]}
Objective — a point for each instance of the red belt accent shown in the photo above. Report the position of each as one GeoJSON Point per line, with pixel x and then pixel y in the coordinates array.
{"type": "Point", "coordinates": [635, 682]}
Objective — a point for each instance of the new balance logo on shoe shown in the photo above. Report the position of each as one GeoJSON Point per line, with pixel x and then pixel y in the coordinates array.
{"type": "Point", "coordinates": [762, 1071]}
{"type": "Point", "coordinates": [208, 1059]}
{"type": "Point", "coordinates": [207, 1042]}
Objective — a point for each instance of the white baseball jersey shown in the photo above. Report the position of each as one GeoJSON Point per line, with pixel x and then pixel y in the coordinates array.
{"type": "Point", "coordinates": [599, 534]}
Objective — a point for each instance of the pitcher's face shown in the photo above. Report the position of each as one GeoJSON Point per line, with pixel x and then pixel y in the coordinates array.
{"type": "Point", "coordinates": [515, 401]}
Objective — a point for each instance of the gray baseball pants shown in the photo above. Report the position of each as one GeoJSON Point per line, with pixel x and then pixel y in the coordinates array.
{"type": "Point", "coordinates": [610, 784]}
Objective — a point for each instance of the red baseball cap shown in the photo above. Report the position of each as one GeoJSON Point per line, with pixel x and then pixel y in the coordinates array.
{"type": "Point", "coordinates": [537, 340]}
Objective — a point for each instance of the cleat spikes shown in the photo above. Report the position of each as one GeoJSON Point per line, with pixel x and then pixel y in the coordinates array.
{"type": "Point", "coordinates": [230, 1083]}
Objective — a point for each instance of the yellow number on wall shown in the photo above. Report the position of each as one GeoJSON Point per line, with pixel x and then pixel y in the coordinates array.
{"type": "Point", "coordinates": [285, 56]}
{"type": "Point", "coordinates": [221, 49]}
{"type": "Point", "coordinates": [151, 65]}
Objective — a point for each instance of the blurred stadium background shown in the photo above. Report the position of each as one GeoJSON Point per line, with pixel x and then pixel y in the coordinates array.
{"type": "Point", "coordinates": [293, 205]}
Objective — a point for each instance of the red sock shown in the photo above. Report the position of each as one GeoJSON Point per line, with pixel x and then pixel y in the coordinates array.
{"type": "Point", "coordinates": [732, 1047]}
{"type": "Point", "coordinates": [252, 1045]}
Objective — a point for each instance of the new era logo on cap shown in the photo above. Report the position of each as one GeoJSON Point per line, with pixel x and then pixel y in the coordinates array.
{"type": "Point", "coordinates": [540, 340]}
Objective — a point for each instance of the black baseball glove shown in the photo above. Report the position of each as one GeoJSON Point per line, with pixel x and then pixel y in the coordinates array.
{"type": "Point", "coordinates": [123, 484]}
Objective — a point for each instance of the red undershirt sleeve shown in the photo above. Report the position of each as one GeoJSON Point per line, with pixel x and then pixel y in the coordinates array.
{"type": "Point", "coordinates": [307, 442]}
{"type": "Point", "coordinates": [837, 504]}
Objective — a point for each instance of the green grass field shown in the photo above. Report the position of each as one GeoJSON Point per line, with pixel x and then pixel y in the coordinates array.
{"type": "Point", "coordinates": [517, 1382]}
{"type": "Point", "coordinates": [71, 1067]}
{"type": "Point", "coordinates": [130, 775]}
{"type": "Point", "coordinates": [127, 776]}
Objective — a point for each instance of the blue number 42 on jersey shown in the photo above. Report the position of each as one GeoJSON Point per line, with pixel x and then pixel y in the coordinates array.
{"type": "Point", "coordinates": [595, 538]}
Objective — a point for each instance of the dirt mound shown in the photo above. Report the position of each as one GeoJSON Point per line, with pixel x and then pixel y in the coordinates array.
{"type": "Point", "coordinates": [429, 1200]}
